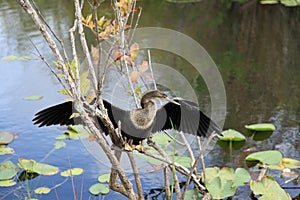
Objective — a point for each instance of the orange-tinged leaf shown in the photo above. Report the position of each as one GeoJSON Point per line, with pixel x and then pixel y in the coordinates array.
{"type": "Point", "coordinates": [129, 60]}
{"type": "Point", "coordinates": [134, 76]}
{"type": "Point", "coordinates": [144, 66]}
{"type": "Point", "coordinates": [134, 50]}
{"type": "Point", "coordinates": [88, 18]}
{"type": "Point", "coordinates": [149, 77]}
{"type": "Point", "coordinates": [101, 21]}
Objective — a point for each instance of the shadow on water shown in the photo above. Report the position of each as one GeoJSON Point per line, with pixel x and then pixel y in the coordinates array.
{"type": "Point", "coordinates": [255, 47]}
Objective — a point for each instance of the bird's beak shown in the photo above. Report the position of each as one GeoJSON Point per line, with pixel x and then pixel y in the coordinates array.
{"type": "Point", "coordinates": [170, 100]}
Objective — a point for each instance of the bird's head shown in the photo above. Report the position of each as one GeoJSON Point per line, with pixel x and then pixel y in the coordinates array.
{"type": "Point", "coordinates": [149, 96]}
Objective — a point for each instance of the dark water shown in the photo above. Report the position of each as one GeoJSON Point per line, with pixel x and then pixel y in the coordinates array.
{"type": "Point", "coordinates": [255, 47]}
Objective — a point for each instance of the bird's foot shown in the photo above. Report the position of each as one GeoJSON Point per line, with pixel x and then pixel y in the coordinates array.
{"type": "Point", "coordinates": [140, 148]}
{"type": "Point", "coordinates": [128, 147]}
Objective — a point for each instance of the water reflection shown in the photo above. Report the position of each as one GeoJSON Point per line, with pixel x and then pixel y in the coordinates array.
{"type": "Point", "coordinates": [256, 48]}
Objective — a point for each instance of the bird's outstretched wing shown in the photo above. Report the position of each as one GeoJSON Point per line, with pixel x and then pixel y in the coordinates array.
{"type": "Point", "coordinates": [185, 117]}
{"type": "Point", "coordinates": [61, 114]}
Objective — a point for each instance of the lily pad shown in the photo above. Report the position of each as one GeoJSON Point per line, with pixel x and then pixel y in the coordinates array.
{"type": "Point", "coordinates": [161, 138]}
{"type": "Point", "coordinates": [7, 183]}
{"type": "Point", "coordinates": [193, 194]}
{"type": "Point", "coordinates": [232, 135]}
{"type": "Point", "coordinates": [269, 189]}
{"type": "Point", "coordinates": [8, 170]}
{"type": "Point", "coordinates": [42, 190]}
{"type": "Point", "coordinates": [286, 163]}
{"type": "Point", "coordinates": [6, 137]}
{"type": "Point", "coordinates": [104, 178]}
{"type": "Point", "coordinates": [222, 183]}
{"type": "Point", "coordinates": [271, 157]}
{"type": "Point", "coordinates": [33, 97]}
{"type": "Point", "coordinates": [36, 167]}
{"type": "Point", "coordinates": [72, 172]}
{"type": "Point", "coordinates": [6, 150]}
{"type": "Point", "coordinates": [261, 127]}
{"type": "Point", "coordinates": [98, 188]}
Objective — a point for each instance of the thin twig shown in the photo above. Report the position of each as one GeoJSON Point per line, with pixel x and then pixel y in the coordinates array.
{"type": "Point", "coordinates": [196, 162]}
{"type": "Point", "coordinates": [136, 176]}
{"type": "Point", "coordinates": [188, 147]}
{"type": "Point", "coordinates": [202, 158]}
{"type": "Point", "coordinates": [167, 182]}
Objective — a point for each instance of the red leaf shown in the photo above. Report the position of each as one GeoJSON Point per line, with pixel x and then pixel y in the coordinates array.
{"type": "Point", "coordinates": [144, 66]}
{"type": "Point", "coordinates": [134, 76]}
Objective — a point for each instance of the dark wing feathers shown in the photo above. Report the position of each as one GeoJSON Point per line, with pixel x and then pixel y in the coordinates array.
{"type": "Point", "coordinates": [60, 115]}
{"type": "Point", "coordinates": [186, 118]}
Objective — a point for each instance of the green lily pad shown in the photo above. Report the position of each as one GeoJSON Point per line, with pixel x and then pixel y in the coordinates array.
{"type": "Point", "coordinates": [6, 137]}
{"type": "Point", "coordinates": [6, 150]}
{"type": "Point", "coordinates": [232, 135]}
{"type": "Point", "coordinates": [104, 178]}
{"type": "Point", "coordinates": [161, 139]}
{"type": "Point", "coordinates": [35, 167]}
{"type": "Point", "coordinates": [182, 160]}
{"type": "Point", "coordinates": [98, 188]}
{"type": "Point", "coordinates": [222, 183]}
{"type": "Point", "coordinates": [269, 189]}
{"type": "Point", "coordinates": [271, 157]}
{"type": "Point", "coordinates": [33, 97]}
{"type": "Point", "coordinates": [261, 127]}
{"type": "Point", "coordinates": [74, 132]}
{"type": "Point", "coordinates": [42, 190]}
{"type": "Point", "coordinates": [286, 163]}
{"type": "Point", "coordinates": [8, 170]}
{"type": "Point", "coordinates": [7, 183]}
{"type": "Point", "coordinates": [193, 194]}
{"type": "Point", "coordinates": [72, 172]}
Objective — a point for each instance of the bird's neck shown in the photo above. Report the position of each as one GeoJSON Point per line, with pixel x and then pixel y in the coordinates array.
{"type": "Point", "coordinates": [143, 117]}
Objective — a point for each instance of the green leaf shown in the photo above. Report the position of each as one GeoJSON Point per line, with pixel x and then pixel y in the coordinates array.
{"type": "Point", "coordinates": [35, 167]}
{"type": "Point", "coordinates": [7, 183]}
{"type": "Point", "coordinates": [42, 190]}
{"type": "Point", "coordinates": [8, 170]}
{"type": "Point", "coordinates": [13, 58]}
{"type": "Point", "coordinates": [272, 157]}
{"type": "Point", "coordinates": [33, 97]}
{"type": "Point", "coordinates": [98, 188]}
{"type": "Point", "coordinates": [6, 137]}
{"type": "Point", "coordinates": [85, 83]}
{"type": "Point", "coordinates": [6, 150]}
{"type": "Point", "coordinates": [72, 172]}
{"type": "Point", "coordinates": [241, 176]}
{"type": "Point", "coordinates": [104, 178]}
{"type": "Point", "coordinates": [182, 160]}
{"type": "Point", "coordinates": [193, 194]}
{"type": "Point", "coordinates": [161, 138]}
{"type": "Point", "coordinates": [59, 144]}
{"type": "Point", "coordinates": [232, 135]}
{"type": "Point", "coordinates": [261, 127]}
{"type": "Point", "coordinates": [269, 189]}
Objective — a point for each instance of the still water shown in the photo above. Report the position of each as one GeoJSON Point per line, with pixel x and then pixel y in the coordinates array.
{"type": "Point", "coordinates": [256, 49]}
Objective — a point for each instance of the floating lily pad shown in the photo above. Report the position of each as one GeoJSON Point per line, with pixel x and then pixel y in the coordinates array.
{"type": "Point", "coordinates": [222, 183]}
{"type": "Point", "coordinates": [193, 194]}
{"type": "Point", "coordinates": [272, 157]}
{"type": "Point", "coordinates": [42, 190]}
{"type": "Point", "coordinates": [269, 189]}
{"type": "Point", "coordinates": [36, 167]}
{"type": "Point", "coordinates": [161, 138]}
{"type": "Point", "coordinates": [98, 188]}
{"type": "Point", "coordinates": [6, 137]}
{"type": "Point", "coordinates": [286, 163]}
{"type": "Point", "coordinates": [7, 183]}
{"type": "Point", "coordinates": [33, 97]}
{"type": "Point", "coordinates": [232, 135]}
{"type": "Point", "coordinates": [261, 127]}
{"type": "Point", "coordinates": [104, 178]}
{"type": "Point", "coordinates": [74, 132]}
{"type": "Point", "coordinates": [73, 172]}
{"type": "Point", "coordinates": [6, 150]}
{"type": "Point", "coordinates": [8, 170]}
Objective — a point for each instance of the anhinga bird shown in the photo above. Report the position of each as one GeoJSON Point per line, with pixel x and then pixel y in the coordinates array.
{"type": "Point", "coordinates": [138, 124]}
